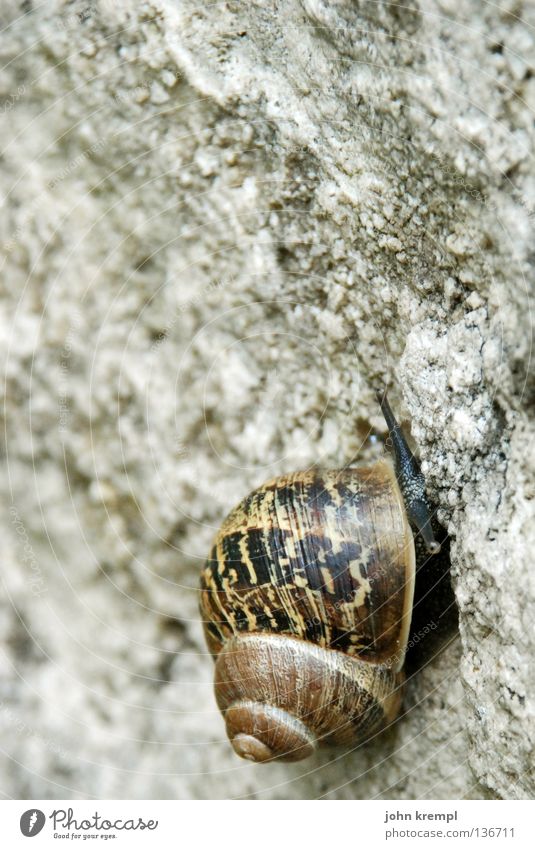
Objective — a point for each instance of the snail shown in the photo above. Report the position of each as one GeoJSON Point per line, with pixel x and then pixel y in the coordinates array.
{"type": "Point", "coordinates": [316, 585]}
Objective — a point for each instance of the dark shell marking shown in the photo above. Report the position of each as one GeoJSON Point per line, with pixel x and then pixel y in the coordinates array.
{"type": "Point", "coordinates": [327, 556]}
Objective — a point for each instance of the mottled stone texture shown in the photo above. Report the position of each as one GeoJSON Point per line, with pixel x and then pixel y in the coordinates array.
{"type": "Point", "coordinates": [222, 225]}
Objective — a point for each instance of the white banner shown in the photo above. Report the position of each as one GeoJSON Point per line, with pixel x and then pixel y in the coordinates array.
{"type": "Point", "coordinates": [268, 825]}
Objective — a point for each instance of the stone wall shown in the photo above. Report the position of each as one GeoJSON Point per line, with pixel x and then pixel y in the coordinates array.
{"type": "Point", "coordinates": [222, 226]}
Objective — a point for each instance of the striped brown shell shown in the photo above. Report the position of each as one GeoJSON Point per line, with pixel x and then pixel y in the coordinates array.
{"type": "Point", "coordinates": [324, 556]}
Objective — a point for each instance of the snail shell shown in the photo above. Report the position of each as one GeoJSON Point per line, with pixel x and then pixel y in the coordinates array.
{"type": "Point", "coordinates": [306, 601]}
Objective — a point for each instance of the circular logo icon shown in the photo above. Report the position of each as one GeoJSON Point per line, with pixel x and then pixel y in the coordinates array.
{"type": "Point", "coordinates": [31, 822]}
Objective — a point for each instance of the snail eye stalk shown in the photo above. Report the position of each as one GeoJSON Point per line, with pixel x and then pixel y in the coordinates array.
{"type": "Point", "coordinates": [410, 478]}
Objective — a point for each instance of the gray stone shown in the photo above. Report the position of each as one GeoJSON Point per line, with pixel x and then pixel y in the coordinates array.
{"type": "Point", "coordinates": [222, 226]}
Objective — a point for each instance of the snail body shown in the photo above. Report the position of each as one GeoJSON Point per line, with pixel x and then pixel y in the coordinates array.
{"type": "Point", "coordinates": [307, 600]}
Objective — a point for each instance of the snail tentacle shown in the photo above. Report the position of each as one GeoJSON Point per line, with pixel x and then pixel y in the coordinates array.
{"type": "Point", "coordinates": [410, 478]}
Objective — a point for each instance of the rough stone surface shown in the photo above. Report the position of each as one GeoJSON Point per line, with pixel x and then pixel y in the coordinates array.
{"type": "Point", "coordinates": [222, 225]}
